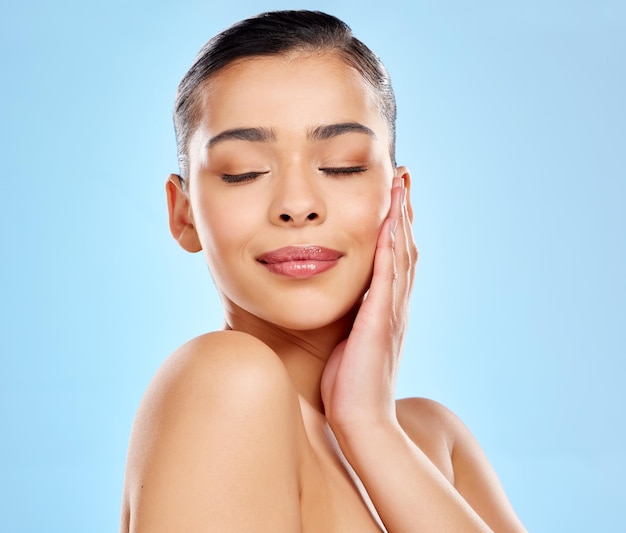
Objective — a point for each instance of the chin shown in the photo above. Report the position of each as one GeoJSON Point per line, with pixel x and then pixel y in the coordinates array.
{"type": "Point", "coordinates": [300, 308]}
{"type": "Point", "coordinates": [314, 317]}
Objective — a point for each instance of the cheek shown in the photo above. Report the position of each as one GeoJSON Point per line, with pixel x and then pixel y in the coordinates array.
{"type": "Point", "coordinates": [368, 214]}
{"type": "Point", "coordinates": [223, 231]}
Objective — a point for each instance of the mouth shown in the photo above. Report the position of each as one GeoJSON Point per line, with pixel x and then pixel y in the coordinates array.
{"type": "Point", "coordinates": [300, 261]}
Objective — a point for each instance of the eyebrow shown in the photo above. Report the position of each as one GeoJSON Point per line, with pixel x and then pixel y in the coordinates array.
{"type": "Point", "coordinates": [319, 133]}
{"type": "Point", "coordinates": [243, 134]}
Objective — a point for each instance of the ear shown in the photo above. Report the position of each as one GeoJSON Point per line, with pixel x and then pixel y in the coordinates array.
{"type": "Point", "coordinates": [181, 220]}
{"type": "Point", "coordinates": [403, 172]}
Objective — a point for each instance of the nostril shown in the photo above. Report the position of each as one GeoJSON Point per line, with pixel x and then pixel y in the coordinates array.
{"type": "Point", "coordinates": [287, 218]}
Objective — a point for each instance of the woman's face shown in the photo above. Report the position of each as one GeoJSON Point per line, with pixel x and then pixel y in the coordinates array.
{"type": "Point", "coordinates": [289, 183]}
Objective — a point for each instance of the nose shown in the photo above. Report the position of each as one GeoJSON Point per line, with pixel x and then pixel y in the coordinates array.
{"type": "Point", "coordinates": [298, 200]}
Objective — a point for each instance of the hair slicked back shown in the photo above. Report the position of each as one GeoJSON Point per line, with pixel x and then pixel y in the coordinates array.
{"type": "Point", "coordinates": [277, 33]}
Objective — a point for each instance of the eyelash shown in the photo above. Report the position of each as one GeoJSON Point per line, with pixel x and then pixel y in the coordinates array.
{"type": "Point", "coordinates": [331, 171]}
{"type": "Point", "coordinates": [343, 171]}
{"type": "Point", "coordinates": [241, 178]}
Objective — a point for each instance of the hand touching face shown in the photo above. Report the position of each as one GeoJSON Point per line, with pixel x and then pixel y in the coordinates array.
{"type": "Point", "coordinates": [290, 179]}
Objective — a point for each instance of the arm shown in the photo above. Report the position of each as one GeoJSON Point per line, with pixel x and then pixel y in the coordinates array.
{"type": "Point", "coordinates": [409, 492]}
{"type": "Point", "coordinates": [214, 446]}
{"type": "Point", "coordinates": [455, 452]}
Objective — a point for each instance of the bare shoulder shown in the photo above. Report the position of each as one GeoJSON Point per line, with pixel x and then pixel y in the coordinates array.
{"type": "Point", "coordinates": [231, 362]}
{"type": "Point", "coordinates": [215, 442]}
{"type": "Point", "coordinates": [450, 445]}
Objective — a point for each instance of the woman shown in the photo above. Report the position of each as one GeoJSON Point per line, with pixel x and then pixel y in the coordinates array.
{"type": "Point", "coordinates": [286, 420]}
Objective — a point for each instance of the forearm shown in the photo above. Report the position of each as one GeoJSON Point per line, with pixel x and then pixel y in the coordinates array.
{"type": "Point", "coordinates": [408, 491]}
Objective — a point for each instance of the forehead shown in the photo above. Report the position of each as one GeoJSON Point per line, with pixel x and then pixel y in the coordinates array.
{"type": "Point", "coordinates": [294, 90]}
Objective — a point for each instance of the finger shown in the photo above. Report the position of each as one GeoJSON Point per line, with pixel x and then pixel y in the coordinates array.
{"type": "Point", "coordinates": [395, 209]}
{"type": "Point", "coordinates": [380, 296]}
{"type": "Point", "coordinates": [384, 275]}
{"type": "Point", "coordinates": [411, 246]}
{"type": "Point", "coordinates": [403, 257]}
{"type": "Point", "coordinates": [405, 253]}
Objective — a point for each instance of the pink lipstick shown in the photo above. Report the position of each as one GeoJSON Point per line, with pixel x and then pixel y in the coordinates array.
{"type": "Point", "coordinates": [300, 261]}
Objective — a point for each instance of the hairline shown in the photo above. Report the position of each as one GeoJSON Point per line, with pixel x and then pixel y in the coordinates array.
{"type": "Point", "coordinates": [199, 92]}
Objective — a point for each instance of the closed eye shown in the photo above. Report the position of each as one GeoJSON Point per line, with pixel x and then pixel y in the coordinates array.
{"type": "Point", "coordinates": [342, 171]}
{"type": "Point", "coordinates": [241, 178]}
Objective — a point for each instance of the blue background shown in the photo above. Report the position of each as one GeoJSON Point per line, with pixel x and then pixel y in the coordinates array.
{"type": "Point", "coordinates": [512, 120]}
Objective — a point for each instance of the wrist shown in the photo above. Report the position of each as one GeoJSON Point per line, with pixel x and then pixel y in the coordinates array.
{"type": "Point", "coordinates": [358, 435]}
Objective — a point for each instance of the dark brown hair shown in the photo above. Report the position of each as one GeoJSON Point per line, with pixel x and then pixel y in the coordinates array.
{"type": "Point", "coordinates": [276, 33]}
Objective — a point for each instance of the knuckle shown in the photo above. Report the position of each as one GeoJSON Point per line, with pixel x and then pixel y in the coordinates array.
{"type": "Point", "coordinates": [414, 253]}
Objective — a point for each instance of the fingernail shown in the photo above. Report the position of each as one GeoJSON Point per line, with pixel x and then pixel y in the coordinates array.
{"type": "Point", "coordinates": [397, 182]}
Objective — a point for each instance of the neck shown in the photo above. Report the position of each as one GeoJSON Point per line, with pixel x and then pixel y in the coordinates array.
{"type": "Point", "coordinates": [303, 352]}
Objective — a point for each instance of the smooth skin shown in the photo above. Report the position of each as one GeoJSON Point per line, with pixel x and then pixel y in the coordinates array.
{"type": "Point", "coordinates": [286, 421]}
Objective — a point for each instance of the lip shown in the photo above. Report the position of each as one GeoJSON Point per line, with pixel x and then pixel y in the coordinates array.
{"type": "Point", "coordinates": [300, 261]}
